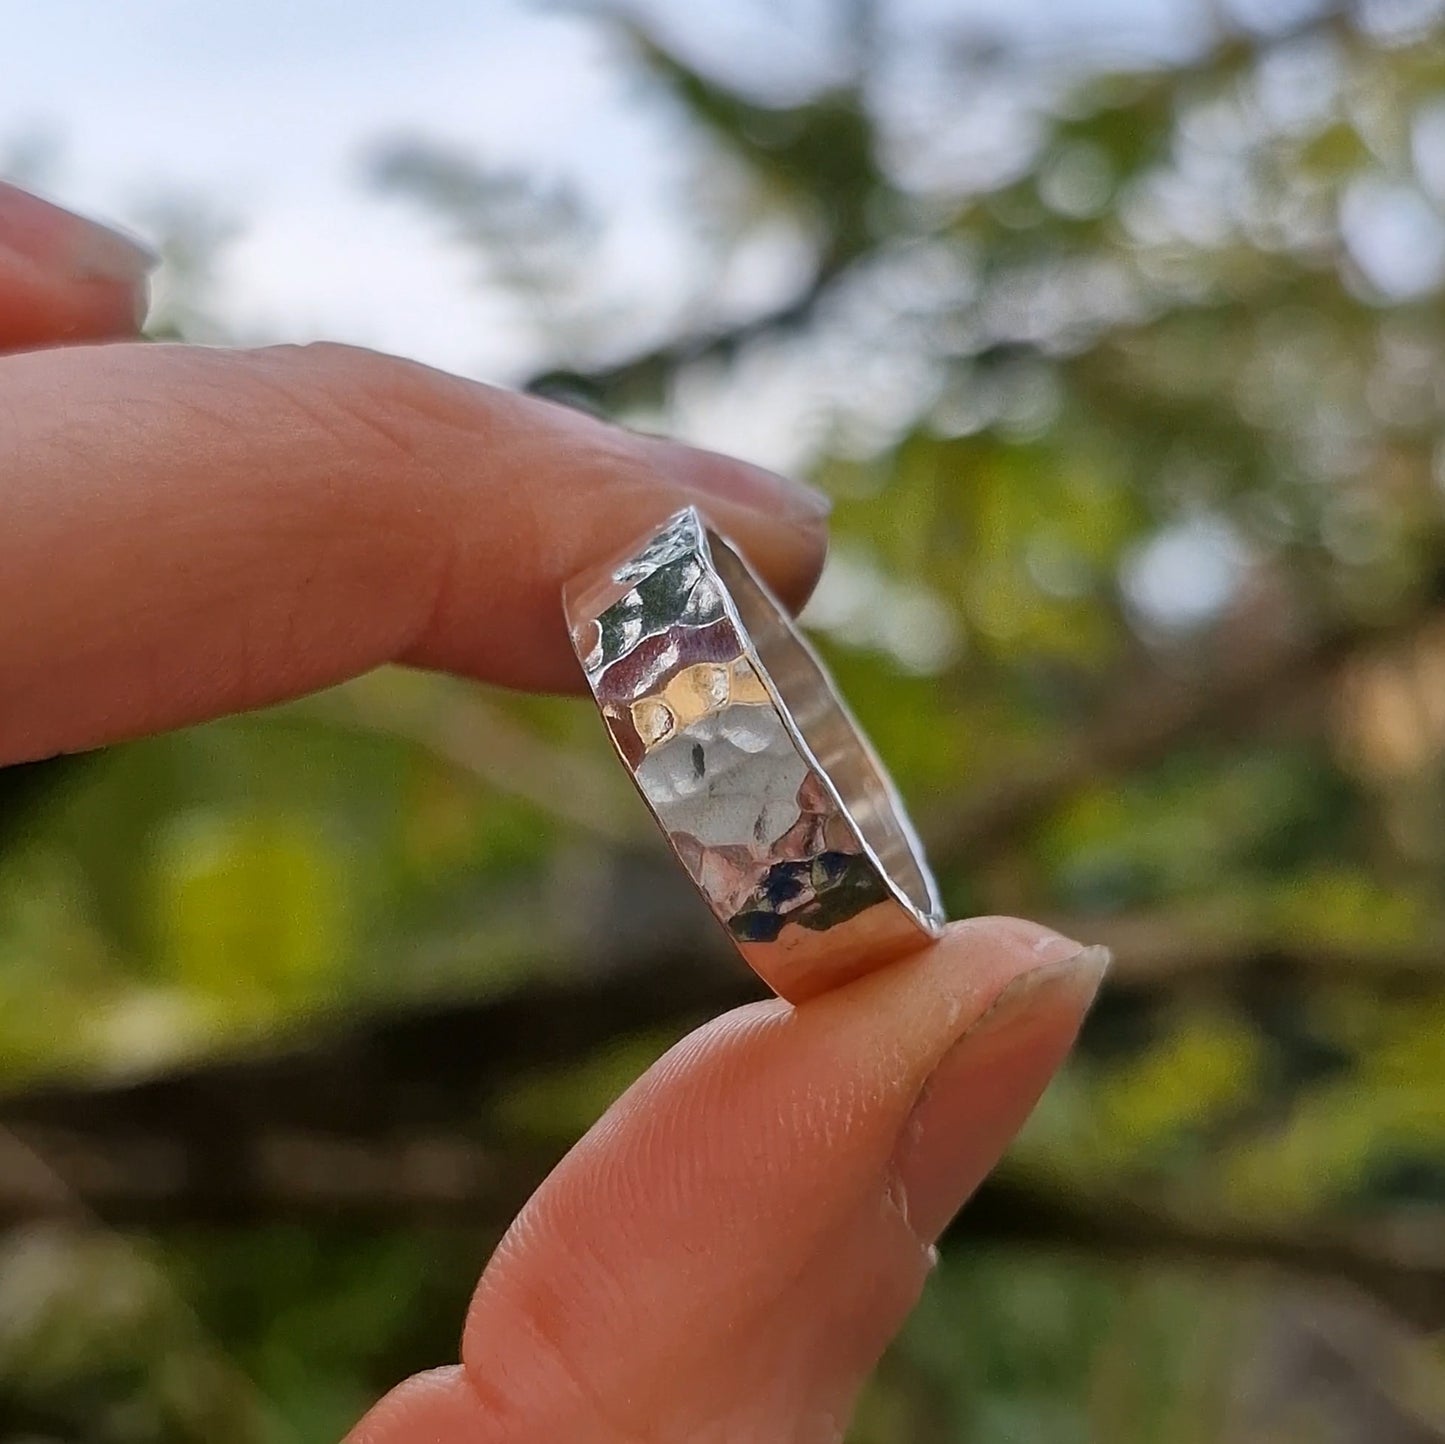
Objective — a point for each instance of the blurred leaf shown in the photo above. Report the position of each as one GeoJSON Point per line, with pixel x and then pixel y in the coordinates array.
{"type": "Point", "coordinates": [250, 908]}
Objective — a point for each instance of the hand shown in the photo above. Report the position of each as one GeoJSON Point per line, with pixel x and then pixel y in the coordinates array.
{"type": "Point", "coordinates": [188, 532]}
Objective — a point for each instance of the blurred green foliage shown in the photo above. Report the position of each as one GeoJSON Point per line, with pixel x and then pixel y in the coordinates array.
{"type": "Point", "coordinates": [1134, 426]}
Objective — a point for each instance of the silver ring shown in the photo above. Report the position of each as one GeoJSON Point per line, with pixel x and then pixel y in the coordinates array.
{"type": "Point", "coordinates": [754, 768]}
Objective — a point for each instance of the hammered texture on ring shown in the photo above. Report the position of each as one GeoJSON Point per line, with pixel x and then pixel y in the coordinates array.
{"type": "Point", "coordinates": [760, 778]}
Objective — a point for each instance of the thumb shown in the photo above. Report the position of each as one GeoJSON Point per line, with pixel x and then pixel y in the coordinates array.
{"type": "Point", "coordinates": [730, 1249]}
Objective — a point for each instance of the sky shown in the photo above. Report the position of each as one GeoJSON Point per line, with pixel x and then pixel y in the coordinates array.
{"type": "Point", "coordinates": [266, 110]}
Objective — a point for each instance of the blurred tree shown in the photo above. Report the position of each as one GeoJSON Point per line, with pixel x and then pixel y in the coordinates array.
{"type": "Point", "coordinates": [1128, 386]}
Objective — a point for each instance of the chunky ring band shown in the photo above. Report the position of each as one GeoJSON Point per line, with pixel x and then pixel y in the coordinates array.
{"type": "Point", "coordinates": [752, 765]}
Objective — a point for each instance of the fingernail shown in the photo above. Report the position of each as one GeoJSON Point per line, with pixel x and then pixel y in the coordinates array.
{"type": "Point", "coordinates": [986, 1085]}
{"type": "Point", "coordinates": [1076, 976]}
{"type": "Point", "coordinates": [67, 244]}
{"type": "Point", "coordinates": [739, 482]}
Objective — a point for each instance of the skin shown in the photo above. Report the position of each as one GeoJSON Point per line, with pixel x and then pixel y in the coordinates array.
{"type": "Point", "coordinates": [189, 532]}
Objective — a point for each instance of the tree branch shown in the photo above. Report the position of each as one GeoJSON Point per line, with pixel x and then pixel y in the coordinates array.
{"type": "Point", "coordinates": [1261, 670]}
{"type": "Point", "coordinates": [642, 379]}
{"type": "Point", "coordinates": [393, 1121]}
{"type": "Point", "coordinates": [1399, 1259]}
{"type": "Point", "coordinates": [227, 1178]}
{"type": "Point", "coordinates": [417, 1070]}
{"type": "Point", "coordinates": [1222, 944]}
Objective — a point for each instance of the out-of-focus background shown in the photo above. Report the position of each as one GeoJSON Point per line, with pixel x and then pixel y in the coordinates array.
{"type": "Point", "coordinates": [1117, 330]}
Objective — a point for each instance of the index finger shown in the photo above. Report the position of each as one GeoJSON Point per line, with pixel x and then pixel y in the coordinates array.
{"type": "Point", "coordinates": [186, 532]}
{"type": "Point", "coordinates": [64, 278]}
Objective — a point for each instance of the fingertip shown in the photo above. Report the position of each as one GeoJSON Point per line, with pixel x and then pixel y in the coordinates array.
{"type": "Point", "coordinates": [930, 995]}
{"type": "Point", "coordinates": [40, 309]}
{"type": "Point", "coordinates": [763, 1199]}
{"type": "Point", "coordinates": [780, 522]}
{"type": "Point", "coordinates": [1016, 941]}
{"type": "Point", "coordinates": [437, 1407]}
{"type": "Point", "coordinates": [988, 1082]}
{"type": "Point", "coordinates": [64, 278]}
{"type": "Point", "coordinates": [714, 473]}
{"type": "Point", "coordinates": [590, 490]}
{"type": "Point", "coordinates": [790, 559]}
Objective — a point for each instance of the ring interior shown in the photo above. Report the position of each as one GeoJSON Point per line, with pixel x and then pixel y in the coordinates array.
{"type": "Point", "coordinates": [830, 733]}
